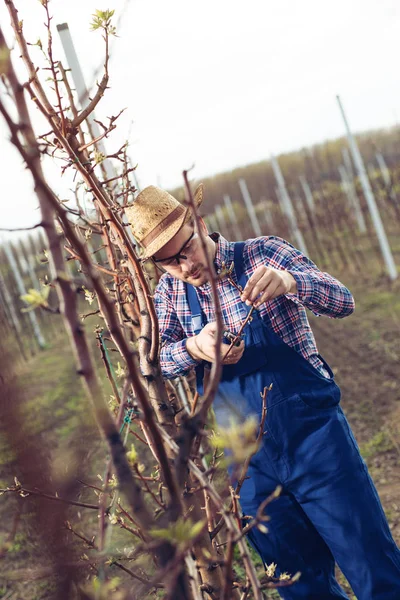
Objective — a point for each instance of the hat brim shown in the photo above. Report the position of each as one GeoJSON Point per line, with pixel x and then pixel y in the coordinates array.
{"type": "Point", "coordinates": [167, 234]}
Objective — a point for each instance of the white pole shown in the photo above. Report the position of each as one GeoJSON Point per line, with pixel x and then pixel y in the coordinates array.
{"type": "Point", "coordinates": [386, 177]}
{"type": "Point", "coordinates": [232, 217]}
{"type": "Point", "coordinates": [213, 222]}
{"type": "Point", "coordinates": [10, 305]}
{"type": "Point", "coordinates": [250, 208]}
{"type": "Point", "coordinates": [348, 164]}
{"type": "Point", "coordinates": [288, 207]}
{"type": "Point", "coordinates": [217, 222]}
{"type": "Point", "coordinates": [354, 202]}
{"type": "Point", "coordinates": [81, 90]}
{"type": "Point", "coordinates": [281, 204]}
{"type": "Point", "coordinates": [369, 196]}
{"type": "Point", "coordinates": [283, 209]}
{"type": "Point", "coordinates": [298, 202]}
{"type": "Point", "coordinates": [30, 262]}
{"type": "Point", "coordinates": [21, 288]}
{"type": "Point", "coordinates": [384, 170]}
{"type": "Point", "coordinates": [307, 193]}
{"type": "Point", "coordinates": [221, 218]}
{"type": "Point", "coordinates": [267, 214]}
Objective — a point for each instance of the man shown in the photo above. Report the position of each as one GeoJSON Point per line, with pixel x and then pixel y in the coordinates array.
{"type": "Point", "coordinates": [329, 509]}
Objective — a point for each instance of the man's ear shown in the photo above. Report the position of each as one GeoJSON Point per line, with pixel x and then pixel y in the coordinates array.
{"type": "Point", "coordinates": [203, 225]}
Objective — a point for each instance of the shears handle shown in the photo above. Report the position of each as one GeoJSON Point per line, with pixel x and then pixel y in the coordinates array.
{"type": "Point", "coordinates": [228, 337]}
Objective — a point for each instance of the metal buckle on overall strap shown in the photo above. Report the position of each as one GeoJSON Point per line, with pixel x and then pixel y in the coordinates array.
{"type": "Point", "coordinates": [197, 322]}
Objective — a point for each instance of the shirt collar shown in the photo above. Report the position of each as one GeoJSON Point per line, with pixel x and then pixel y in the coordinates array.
{"type": "Point", "coordinates": [223, 254]}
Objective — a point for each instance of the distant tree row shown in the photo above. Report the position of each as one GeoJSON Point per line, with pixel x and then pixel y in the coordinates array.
{"type": "Point", "coordinates": [316, 163]}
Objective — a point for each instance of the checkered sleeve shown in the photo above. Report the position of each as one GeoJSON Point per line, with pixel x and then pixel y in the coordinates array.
{"type": "Point", "coordinates": [318, 291]}
{"type": "Point", "coordinates": [174, 358]}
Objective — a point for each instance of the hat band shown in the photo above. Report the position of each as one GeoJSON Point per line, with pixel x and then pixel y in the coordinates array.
{"type": "Point", "coordinates": [169, 219]}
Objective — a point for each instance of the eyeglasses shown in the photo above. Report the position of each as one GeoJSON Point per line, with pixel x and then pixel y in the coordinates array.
{"type": "Point", "coordinates": [187, 249]}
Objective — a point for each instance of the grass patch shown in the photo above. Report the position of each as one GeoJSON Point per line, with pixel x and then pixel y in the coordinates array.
{"type": "Point", "coordinates": [378, 444]}
{"type": "Point", "coordinates": [380, 299]}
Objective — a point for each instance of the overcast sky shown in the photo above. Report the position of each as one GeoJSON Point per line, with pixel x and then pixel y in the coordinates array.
{"type": "Point", "coordinates": [220, 83]}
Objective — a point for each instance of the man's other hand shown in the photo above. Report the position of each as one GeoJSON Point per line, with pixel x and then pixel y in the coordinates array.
{"type": "Point", "coordinates": [203, 347]}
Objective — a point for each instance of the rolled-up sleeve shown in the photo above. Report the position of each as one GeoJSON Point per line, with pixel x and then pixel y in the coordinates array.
{"type": "Point", "coordinates": [174, 358]}
{"type": "Point", "coordinates": [322, 293]}
{"type": "Point", "coordinates": [316, 290]}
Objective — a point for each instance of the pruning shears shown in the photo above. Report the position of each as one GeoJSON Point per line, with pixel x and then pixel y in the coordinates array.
{"type": "Point", "coordinates": [228, 337]}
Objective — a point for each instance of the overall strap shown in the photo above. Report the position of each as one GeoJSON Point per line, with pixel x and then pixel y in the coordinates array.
{"type": "Point", "coordinates": [198, 319]}
{"type": "Point", "coordinates": [198, 322]}
{"type": "Point", "coordinates": [238, 260]}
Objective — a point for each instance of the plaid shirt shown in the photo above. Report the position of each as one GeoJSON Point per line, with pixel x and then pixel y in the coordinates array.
{"type": "Point", "coordinates": [317, 291]}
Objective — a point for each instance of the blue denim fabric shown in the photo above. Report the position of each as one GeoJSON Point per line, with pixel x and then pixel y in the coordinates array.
{"type": "Point", "coordinates": [329, 509]}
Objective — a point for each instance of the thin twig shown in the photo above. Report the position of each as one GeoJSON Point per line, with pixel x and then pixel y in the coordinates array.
{"type": "Point", "coordinates": [22, 228]}
{"type": "Point", "coordinates": [21, 490]}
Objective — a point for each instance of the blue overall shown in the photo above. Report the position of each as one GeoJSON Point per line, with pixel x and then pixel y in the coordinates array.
{"type": "Point", "coordinates": [329, 509]}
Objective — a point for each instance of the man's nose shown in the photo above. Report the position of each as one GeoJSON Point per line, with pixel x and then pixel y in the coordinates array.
{"type": "Point", "coordinates": [186, 265]}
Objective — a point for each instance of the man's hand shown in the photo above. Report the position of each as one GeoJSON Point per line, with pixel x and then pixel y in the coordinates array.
{"type": "Point", "coordinates": [267, 283]}
{"type": "Point", "coordinates": [203, 347]}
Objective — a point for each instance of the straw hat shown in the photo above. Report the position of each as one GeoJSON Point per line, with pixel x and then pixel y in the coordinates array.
{"type": "Point", "coordinates": [155, 217]}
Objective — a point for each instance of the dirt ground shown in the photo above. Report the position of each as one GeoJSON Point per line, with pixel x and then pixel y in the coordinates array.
{"type": "Point", "coordinates": [364, 352]}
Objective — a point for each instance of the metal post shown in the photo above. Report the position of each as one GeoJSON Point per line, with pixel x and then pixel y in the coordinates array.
{"type": "Point", "coordinates": [299, 205]}
{"type": "Point", "coordinates": [213, 223]}
{"type": "Point", "coordinates": [221, 219]}
{"type": "Point", "coordinates": [232, 217]}
{"type": "Point", "coordinates": [307, 193]}
{"type": "Point", "coordinates": [387, 177]}
{"type": "Point", "coordinates": [81, 90]}
{"type": "Point", "coordinates": [11, 316]}
{"type": "Point", "coordinates": [30, 262]}
{"type": "Point", "coordinates": [219, 224]}
{"type": "Point", "coordinates": [369, 196]}
{"type": "Point", "coordinates": [354, 202]}
{"type": "Point", "coordinates": [279, 196]}
{"type": "Point", "coordinates": [9, 305]}
{"type": "Point", "coordinates": [384, 169]}
{"type": "Point", "coordinates": [347, 163]}
{"type": "Point", "coordinates": [269, 220]}
{"type": "Point", "coordinates": [250, 208]}
{"type": "Point", "coordinates": [21, 288]}
{"type": "Point", "coordinates": [288, 207]}
{"type": "Point", "coordinates": [282, 207]}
